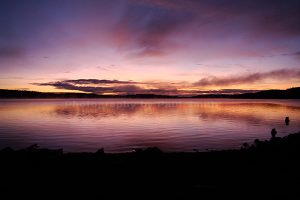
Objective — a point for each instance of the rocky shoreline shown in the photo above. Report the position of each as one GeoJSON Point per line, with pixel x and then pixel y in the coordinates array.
{"type": "Point", "coordinates": [268, 168]}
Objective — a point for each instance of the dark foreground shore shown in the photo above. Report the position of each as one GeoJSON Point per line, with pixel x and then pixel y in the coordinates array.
{"type": "Point", "coordinates": [264, 169]}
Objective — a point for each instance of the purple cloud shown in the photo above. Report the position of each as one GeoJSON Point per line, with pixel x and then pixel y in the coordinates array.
{"type": "Point", "coordinates": [108, 86]}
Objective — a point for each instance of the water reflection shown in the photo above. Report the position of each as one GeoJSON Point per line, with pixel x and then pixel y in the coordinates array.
{"type": "Point", "coordinates": [120, 125]}
{"type": "Point", "coordinates": [252, 113]}
{"type": "Point", "coordinates": [116, 110]}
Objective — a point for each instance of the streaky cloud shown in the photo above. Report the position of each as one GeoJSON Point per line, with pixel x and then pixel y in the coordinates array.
{"type": "Point", "coordinates": [97, 81]}
{"type": "Point", "coordinates": [286, 74]}
{"type": "Point", "coordinates": [100, 86]}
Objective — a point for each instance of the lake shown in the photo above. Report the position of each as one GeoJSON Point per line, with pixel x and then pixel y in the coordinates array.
{"type": "Point", "coordinates": [120, 125]}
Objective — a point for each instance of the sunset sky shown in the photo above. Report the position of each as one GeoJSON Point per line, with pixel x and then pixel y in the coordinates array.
{"type": "Point", "coordinates": [183, 47]}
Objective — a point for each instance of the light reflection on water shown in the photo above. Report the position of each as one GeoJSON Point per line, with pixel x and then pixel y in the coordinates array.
{"type": "Point", "coordinates": [120, 125]}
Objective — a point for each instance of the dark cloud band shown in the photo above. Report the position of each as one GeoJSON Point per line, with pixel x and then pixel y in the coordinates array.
{"type": "Point", "coordinates": [101, 86]}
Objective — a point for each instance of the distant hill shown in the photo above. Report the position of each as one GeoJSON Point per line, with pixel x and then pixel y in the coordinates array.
{"type": "Point", "coordinates": [292, 93]}
{"type": "Point", "coordinates": [31, 94]}
{"type": "Point", "coordinates": [19, 94]}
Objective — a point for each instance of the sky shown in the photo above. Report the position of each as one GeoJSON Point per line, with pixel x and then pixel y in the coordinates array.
{"type": "Point", "coordinates": [170, 47]}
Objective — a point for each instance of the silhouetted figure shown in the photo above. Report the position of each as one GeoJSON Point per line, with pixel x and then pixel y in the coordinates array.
{"type": "Point", "coordinates": [287, 121]}
{"type": "Point", "coordinates": [273, 133]}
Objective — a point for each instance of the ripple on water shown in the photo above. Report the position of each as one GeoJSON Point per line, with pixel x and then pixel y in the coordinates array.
{"type": "Point", "coordinates": [120, 125]}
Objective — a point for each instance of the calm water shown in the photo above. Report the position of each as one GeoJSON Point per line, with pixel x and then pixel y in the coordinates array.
{"type": "Point", "coordinates": [120, 125]}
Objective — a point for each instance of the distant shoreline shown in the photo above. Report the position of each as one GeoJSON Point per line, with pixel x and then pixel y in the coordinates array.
{"type": "Point", "coordinates": [291, 93]}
